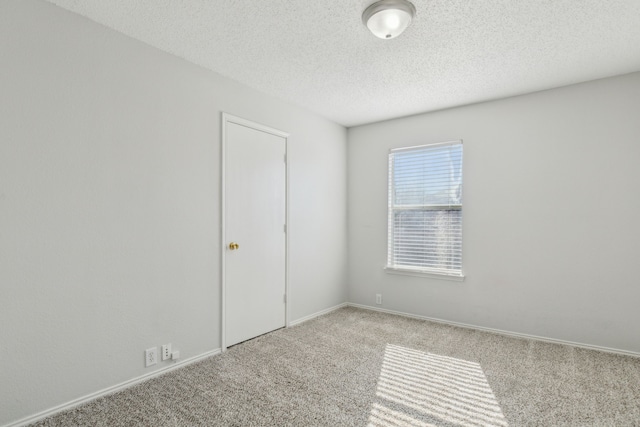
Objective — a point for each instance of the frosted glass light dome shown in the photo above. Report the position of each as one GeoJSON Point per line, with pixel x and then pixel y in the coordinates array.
{"type": "Point", "coordinates": [387, 19]}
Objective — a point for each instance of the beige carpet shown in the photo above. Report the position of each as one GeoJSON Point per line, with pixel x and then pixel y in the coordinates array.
{"type": "Point", "coordinates": [361, 368]}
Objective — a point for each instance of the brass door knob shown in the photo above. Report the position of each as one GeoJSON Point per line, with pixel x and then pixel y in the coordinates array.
{"type": "Point", "coordinates": [233, 246]}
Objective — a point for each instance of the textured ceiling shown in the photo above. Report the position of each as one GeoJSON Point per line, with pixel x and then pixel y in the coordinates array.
{"type": "Point", "coordinates": [318, 55]}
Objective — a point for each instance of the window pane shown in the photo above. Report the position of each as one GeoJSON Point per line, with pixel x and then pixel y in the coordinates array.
{"type": "Point", "coordinates": [428, 239]}
{"type": "Point", "coordinates": [428, 177]}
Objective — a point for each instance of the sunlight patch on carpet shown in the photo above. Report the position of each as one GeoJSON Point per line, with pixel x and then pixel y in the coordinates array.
{"type": "Point", "coordinates": [419, 389]}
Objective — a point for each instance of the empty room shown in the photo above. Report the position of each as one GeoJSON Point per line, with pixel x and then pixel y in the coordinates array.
{"type": "Point", "coordinates": [392, 213]}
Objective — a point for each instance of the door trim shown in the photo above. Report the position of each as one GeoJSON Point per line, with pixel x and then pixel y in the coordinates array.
{"type": "Point", "coordinates": [228, 118]}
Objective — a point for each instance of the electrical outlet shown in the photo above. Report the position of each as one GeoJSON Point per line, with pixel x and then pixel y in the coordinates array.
{"type": "Point", "coordinates": [166, 351]}
{"type": "Point", "coordinates": [150, 356]}
{"type": "Point", "coordinates": [378, 298]}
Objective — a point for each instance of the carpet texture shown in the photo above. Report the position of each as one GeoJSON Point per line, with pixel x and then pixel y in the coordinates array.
{"type": "Point", "coordinates": [356, 367]}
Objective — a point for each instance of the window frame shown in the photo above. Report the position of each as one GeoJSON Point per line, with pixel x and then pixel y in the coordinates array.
{"type": "Point", "coordinates": [455, 275]}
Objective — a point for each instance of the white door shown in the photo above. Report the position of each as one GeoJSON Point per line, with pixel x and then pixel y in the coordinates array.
{"type": "Point", "coordinates": [254, 230]}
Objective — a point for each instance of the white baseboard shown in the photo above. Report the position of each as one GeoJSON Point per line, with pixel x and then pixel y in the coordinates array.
{"type": "Point", "coordinates": [319, 313]}
{"type": "Point", "coordinates": [109, 390]}
{"type": "Point", "coordinates": [500, 331]}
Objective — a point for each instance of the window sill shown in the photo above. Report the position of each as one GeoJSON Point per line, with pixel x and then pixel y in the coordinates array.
{"type": "Point", "coordinates": [421, 273]}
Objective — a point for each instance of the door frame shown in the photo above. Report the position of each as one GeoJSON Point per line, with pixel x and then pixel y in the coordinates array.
{"type": "Point", "coordinates": [228, 118]}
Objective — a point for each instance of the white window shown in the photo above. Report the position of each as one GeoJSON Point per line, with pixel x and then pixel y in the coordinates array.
{"type": "Point", "coordinates": [425, 209]}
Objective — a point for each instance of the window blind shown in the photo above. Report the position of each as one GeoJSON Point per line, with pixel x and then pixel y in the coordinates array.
{"type": "Point", "coordinates": [425, 209]}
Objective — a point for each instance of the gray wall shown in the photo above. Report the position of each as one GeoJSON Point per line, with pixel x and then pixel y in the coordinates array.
{"type": "Point", "coordinates": [551, 208]}
{"type": "Point", "coordinates": [109, 205]}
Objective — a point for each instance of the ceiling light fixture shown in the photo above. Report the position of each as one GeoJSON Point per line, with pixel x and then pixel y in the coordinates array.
{"type": "Point", "coordinates": [387, 19]}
